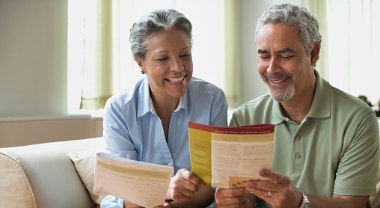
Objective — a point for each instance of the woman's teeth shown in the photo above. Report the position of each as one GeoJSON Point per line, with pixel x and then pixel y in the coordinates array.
{"type": "Point", "coordinates": [176, 79]}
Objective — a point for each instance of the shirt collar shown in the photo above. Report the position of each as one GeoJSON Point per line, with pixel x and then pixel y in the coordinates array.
{"type": "Point", "coordinates": [145, 102]}
{"type": "Point", "coordinates": [320, 107]}
{"type": "Point", "coordinates": [179, 106]}
{"type": "Point", "coordinates": [277, 116]}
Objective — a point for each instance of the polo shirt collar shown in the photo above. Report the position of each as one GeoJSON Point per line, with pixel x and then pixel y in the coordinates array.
{"type": "Point", "coordinates": [277, 116]}
{"type": "Point", "coordinates": [320, 107]}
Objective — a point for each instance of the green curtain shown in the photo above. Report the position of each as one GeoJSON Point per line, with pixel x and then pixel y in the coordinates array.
{"type": "Point", "coordinates": [319, 10]}
{"type": "Point", "coordinates": [231, 60]}
{"type": "Point", "coordinates": [96, 92]}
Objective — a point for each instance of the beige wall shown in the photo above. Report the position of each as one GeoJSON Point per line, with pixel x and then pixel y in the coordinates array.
{"type": "Point", "coordinates": [25, 131]}
{"type": "Point", "coordinates": [33, 58]}
{"type": "Point", "coordinates": [33, 71]}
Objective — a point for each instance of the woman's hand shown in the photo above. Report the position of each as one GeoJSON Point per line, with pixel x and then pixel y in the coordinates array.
{"type": "Point", "coordinates": [234, 198]}
{"type": "Point", "coordinates": [183, 185]}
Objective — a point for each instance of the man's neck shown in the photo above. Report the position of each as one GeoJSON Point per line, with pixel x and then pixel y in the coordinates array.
{"type": "Point", "coordinates": [297, 107]}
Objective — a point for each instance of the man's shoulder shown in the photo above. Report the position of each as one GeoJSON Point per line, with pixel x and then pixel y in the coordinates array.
{"type": "Point", "coordinates": [258, 102]}
{"type": "Point", "coordinates": [347, 102]}
{"type": "Point", "coordinates": [330, 100]}
{"type": "Point", "coordinates": [258, 110]}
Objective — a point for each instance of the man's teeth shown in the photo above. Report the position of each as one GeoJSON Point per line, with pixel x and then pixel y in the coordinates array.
{"type": "Point", "coordinates": [276, 81]}
{"type": "Point", "coordinates": [176, 79]}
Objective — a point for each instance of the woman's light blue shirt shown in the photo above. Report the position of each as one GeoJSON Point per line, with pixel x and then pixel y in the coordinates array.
{"type": "Point", "coordinates": [132, 129]}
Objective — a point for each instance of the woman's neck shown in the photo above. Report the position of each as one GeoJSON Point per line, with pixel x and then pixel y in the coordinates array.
{"type": "Point", "coordinates": [164, 108]}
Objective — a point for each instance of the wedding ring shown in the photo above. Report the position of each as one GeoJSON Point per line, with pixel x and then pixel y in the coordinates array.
{"type": "Point", "coordinates": [269, 194]}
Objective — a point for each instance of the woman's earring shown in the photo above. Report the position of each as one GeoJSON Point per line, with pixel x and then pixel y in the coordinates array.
{"type": "Point", "coordinates": [142, 72]}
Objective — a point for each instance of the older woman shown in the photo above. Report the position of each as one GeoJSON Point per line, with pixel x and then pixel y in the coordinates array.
{"type": "Point", "coordinates": [150, 122]}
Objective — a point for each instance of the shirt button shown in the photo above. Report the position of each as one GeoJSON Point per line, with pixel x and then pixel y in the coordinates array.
{"type": "Point", "coordinates": [298, 138]}
{"type": "Point", "coordinates": [298, 155]}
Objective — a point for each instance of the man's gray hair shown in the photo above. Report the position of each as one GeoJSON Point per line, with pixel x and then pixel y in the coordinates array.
{"type": "Point", "coordinates": [295, 16]}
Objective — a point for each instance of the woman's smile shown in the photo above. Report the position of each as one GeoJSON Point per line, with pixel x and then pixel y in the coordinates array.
{"type": "Point", "coordinates": [176, 79]}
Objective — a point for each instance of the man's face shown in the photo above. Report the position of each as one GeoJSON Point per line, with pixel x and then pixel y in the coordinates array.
{"type": "Point", "coordinates": [282, 61]}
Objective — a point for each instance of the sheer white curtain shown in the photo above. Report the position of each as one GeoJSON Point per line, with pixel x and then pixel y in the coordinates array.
{"type": "Point", "coordinates": [354, 33]}
{"type": "Point", "coordinates": [351, 42]}
{"type": "Point", "coordinates": [89, 54]}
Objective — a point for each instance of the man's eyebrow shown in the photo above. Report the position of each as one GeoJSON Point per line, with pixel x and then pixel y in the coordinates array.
{"type": "Point", "coordinates": [285, 50]}
{"type": "Point", "coordinates": [262, 51]}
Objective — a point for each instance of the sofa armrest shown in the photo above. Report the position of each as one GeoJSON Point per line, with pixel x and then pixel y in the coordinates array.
{"type": "Point", "coordinates": [43, 175]}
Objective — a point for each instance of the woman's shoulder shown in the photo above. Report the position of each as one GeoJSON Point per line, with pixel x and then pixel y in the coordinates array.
{"type": "Point", "coordinates": [200, 85]}
{"type": "Point", "coordinates": [127, 95]}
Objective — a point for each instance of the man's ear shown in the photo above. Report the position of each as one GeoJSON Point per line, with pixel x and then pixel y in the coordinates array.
{"type": "Point", "coordinates": [314, 55]}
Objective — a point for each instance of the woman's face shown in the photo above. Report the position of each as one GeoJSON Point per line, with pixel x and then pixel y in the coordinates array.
{"type": "Point", "coordinates": [168, 63]}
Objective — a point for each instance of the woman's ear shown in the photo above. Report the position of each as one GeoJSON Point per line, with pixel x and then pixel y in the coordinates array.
{"type": "Point", "coordinates": [314, 55]}
{"type": "Point", "coordinates": [140, 63]}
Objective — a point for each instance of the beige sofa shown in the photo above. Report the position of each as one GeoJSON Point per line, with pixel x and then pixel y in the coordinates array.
{"type": "Point", "coordinates": [49, 175]}
{"type": "Point", "coordinates": [56, 175]}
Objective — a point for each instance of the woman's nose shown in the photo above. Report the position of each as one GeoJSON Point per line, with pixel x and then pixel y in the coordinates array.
{"type": "Point", "coordinates": [177, 65]}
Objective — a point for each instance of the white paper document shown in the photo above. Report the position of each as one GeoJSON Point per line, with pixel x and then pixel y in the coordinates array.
{"type": "Point", "coordinates": [227, 157]}
{"type": "Point", "coordinates": [144, 184]}
{"type": "Point", "coordinates": [235, 162]}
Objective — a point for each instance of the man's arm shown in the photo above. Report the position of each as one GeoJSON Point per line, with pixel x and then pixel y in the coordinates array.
{"type": "Point", "coordinates": [278, 191]}
{"type": "Point", "coordinates": [339, 201]}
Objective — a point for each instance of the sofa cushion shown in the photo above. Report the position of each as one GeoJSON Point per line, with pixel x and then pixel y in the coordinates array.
{"type": "Point", "coordinates": [15, 184]}
{"type": "Point", "coordinates": [84, 162]}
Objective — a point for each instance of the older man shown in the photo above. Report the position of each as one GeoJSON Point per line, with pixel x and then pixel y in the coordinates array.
{"type": "Point", "coordinates": [326, 151]}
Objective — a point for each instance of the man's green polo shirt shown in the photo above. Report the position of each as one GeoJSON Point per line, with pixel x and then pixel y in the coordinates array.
{"type": "Point", "coordinates": [333, 151]}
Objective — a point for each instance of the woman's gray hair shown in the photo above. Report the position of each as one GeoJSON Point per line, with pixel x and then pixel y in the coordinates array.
{"type": "Point", "coordinates": [153, 22]}
{"type": "Point", "coordinates": [293, 16]}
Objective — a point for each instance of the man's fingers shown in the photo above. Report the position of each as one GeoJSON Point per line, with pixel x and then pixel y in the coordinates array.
{"type": "Point", "coordinates": [274, 176]}
{"type": "Point", "coordinates": [227, 193]}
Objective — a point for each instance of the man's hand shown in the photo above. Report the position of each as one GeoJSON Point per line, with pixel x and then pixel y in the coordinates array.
{"type": "Point", "coordinates": [276, 189]}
